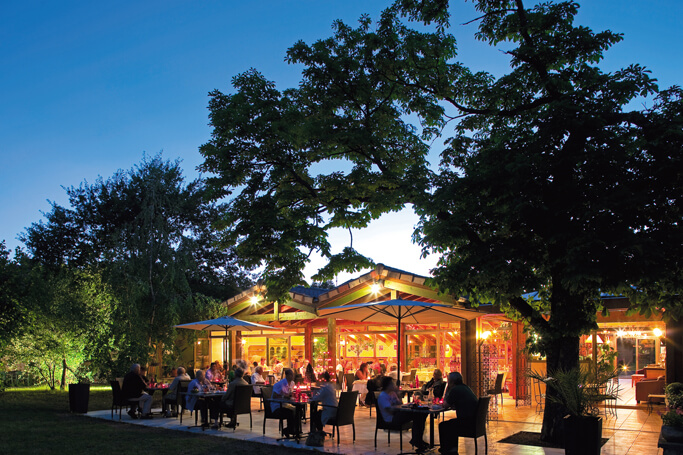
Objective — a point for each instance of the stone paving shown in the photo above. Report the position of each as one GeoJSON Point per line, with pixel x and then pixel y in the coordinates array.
{"type": "Point", "coordinates": [633, 431]}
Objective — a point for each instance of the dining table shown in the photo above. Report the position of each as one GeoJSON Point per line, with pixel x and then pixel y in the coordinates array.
{"type": "Point", "coordinates": [431, 410]}
{"type": "Point", "coordinates": [300, 406]}
{"type": "Point", "coordinates": [163, 388]}
{"type": "Point", "coordinates": [206, 397]}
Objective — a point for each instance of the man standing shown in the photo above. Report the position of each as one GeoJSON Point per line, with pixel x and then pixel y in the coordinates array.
{"type": "Point", "coordinates": [461, 398]}
{"type": "Point", "coordinates": [228, 399]}
{"type": "Point", "coordinates": [173, 390]}
{"type": "Point", "coordinates": [135, 387]}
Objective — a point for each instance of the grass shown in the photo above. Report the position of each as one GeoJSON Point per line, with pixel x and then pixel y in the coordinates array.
{"type": "Point", "coordinates": [37, 420]}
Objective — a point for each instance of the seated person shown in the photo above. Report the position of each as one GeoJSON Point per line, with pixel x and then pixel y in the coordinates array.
{"type": "Point", "coordinates": [135, 387]}
{"type": "Point", "coordinates": [228, 399]}
{"type": "Point", "coordinates": [143, 374]}
{"type": "Point", "coordinates": [374, 385]}
{"type": "Point", "coordinates": [437, 384]}
{"type": "Point", "coordinates": [309, 374]}
{"type": "Point", "coordinates": [388, 403]}
{"type": "Point", "coordinates": [327, 397]}
{"type": "Point", "coordinates": [173, 390]}
{"type": "Point", "coordinates": [362, 373]}
{"type": "Point", "coordinates": [192, 402]}
{"type": "Point", "coordinates": [231, 373]}
{"type": "Point", "coordinates": [283, 389]}
{"type": "Point", "coordinates": [464, 401]}
{"type": "Point", "coordinates": [393, 372]}
{"type": "Point", "coordinates": [257, 378]}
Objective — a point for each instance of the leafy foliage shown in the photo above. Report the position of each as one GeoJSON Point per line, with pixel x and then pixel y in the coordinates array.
{"type": "Point", "coordinates": [579, 391]}
{"type": "Point", "coordinates": [129, 258]}
{"type": "Point", "coordinates": [551, 181]}
{"type": "Point", "coordinates": [674, 401]}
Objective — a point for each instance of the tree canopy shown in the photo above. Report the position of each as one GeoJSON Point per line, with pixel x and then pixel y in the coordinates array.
{"type": "Point", "coordinates": [551, 180]}
{"type": "Point", "coordinates": [128, 258]}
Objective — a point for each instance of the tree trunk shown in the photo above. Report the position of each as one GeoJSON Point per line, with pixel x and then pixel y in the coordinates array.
{"type": "Point", "coordinates": [62, 385]}
{"type": "Point", "coordinates": [563, 353]}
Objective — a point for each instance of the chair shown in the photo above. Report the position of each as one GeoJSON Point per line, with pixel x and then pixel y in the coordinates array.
{"type": "Point", "coordinates": [348, 379]}
{"type": "Point", "coordinates": [478, 425]}
{"type": "Point", "coordinates": [498, 388]}
{"type": "Point", "coordinates": [538, 396]}
{"type": "Point", "coordinates": [117, 398]}
{"type": "Point", "coordinates": [241, 404]}
{"type": "Point", "coordinates": [649, 386]}
{"type": "Point", "coordinates": [179, 398]}
{"type": "Point", "coordinates": [381, 424]}
{"type": "Point", "coordinates": [613, 394]}
{"type": "Point", "coordinates": [267, 410]}
{"type": "Point", "coordinates": [345, 413]}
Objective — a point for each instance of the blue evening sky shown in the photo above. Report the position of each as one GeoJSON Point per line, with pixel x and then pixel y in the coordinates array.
{"type": "Point", "coordinates": [87, 87]}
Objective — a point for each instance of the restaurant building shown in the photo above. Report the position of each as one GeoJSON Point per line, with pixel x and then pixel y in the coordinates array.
{"type": "Point", "coordinates": [480, 348]}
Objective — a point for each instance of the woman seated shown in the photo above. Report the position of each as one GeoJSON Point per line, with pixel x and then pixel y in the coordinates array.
{"type": "Point", "coordinates": [362, 372]}
{"type": "Point", "coordinates": [389, 402]}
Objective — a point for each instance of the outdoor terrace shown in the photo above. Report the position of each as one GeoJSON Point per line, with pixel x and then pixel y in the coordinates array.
{"type": "Point", "coordinates": [633, 431]}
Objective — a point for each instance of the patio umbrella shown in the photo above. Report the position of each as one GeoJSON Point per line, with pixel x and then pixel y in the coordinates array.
{"type": "Point", "coordinates": [223, 323]}
{"type": "Point", "coordinates": [400, 311]}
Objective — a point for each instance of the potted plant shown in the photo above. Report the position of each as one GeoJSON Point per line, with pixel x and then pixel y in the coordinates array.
{"type": "Point", "coordinates": [79, 393]}
{"type": "Point", "coordinates": [580, 392]}
{"type": "Point", "coordinates": [672, 418]}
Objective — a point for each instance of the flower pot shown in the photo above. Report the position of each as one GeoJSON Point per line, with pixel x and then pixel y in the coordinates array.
{"type": "Point", "coordinates": [672, 434]}
{"type": "Point", "coordinates": [583, 435]}
{"type": "Point", "coordinates": [79, 395]}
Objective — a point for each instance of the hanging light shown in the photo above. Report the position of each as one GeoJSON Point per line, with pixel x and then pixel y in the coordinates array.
{"type": "Point", "coordinates": [657, 332]}
{"type": "Point", "coordinates": [254, 299]}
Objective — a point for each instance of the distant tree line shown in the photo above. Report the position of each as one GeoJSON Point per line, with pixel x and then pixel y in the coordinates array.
{"type": "Point", "coordinates": [102, 281]}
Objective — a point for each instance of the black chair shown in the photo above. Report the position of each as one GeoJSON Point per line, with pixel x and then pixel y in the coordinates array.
{"type": "Point", "coordinates": [118, 400]}
{"type": "Point", "coordinates": [477, 427]}
{"type": "Point", "coordinates": [178, 402]}
{"type": "Point", "coordinates": [241, 404]}
{"type": "Point", "coordinates": [345, 413]}
{"type": "Point", "coordinates": [349, 378]}
{"type": "Point", "coordinates": [267, 393]}
{"type": "Point", "coordinates": [180, 397]}
{"type": "Point", "coordinates": [538, 396]}
{"type": "Point", "coordinates": [381, 424]}
{"type": "Point", "coordinates": [498, 388]}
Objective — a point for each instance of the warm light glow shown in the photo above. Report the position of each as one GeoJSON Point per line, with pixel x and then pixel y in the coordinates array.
{"type": "Point", "coordinates": [199, 342]}
{"type": "Point", "coordinates": [621, 333]}
{"type": "Point", "coordinates": [658, 332]}
{"type": "Point", "coordinates": [254, 299]}
{"type": "Point", "coordinates": [485, 335]}
{"type": "Point", "coordinates": [375, 288]}
{"type": "Point", "coordinates": [244, 341]}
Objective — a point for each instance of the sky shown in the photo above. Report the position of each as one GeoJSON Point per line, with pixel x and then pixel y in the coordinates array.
{"type": "Point", "coordinates": [87, 88]}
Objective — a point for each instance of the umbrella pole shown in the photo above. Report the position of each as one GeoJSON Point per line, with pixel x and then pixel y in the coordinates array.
{"type": "Point", "coordinates": [225, 351]}
{"type": "Point", "coordinates": [398, 352]}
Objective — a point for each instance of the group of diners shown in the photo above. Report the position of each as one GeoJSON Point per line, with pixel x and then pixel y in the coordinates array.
{"type": "Point", "coordinates": [456, 395]}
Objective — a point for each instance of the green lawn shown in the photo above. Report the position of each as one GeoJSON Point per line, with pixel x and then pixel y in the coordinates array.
{"type": "Point", "coordinates": [37, 421]}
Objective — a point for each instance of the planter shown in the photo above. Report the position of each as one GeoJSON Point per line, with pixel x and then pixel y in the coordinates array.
{"type": "Point", "coordinates": [672, 434]}
{"type": "Point", "coordinates": [79, 395]}
{"type": "Point", "coordinates": [583, 435]}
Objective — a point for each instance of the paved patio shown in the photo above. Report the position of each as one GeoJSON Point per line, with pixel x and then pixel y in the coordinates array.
{"type": "Point", "coordinates": [633, 431]}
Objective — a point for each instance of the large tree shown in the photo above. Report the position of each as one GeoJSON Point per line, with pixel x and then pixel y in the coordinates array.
{"type": "Point", "coordinates": [138, 248]}
{"type": "Point", "coordinates": [552, 180]}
